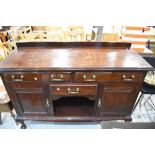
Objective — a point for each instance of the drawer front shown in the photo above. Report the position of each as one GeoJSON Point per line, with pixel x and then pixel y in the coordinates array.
{"type": "Point", "coordinates": [60, 76]}
{"type": "Point", "coordinates": [107, 76]}
{"type": "Point", "coordinates": [73, 89]}
{"type": "Point", "coordinates": [20, 77]}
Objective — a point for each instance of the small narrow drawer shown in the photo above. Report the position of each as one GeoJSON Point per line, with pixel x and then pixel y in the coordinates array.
{"type": "Point", "coordinates": [20, 77]}
{"type": "Point", "coordinates": [60, 76]}
{"type": "Point", "coordinates": [107, 76]}
{"type": "Point", "coordinates": [73, 89]}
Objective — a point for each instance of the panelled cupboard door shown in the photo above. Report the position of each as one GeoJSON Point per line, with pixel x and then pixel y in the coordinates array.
{"type": "Point", "coordinates": [118, 98]}
{"type": "Point", "coordinates": [31, 102]}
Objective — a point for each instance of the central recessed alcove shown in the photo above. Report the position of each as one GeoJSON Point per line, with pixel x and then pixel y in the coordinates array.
{"type": "Point", "coordinates": [73, 106]}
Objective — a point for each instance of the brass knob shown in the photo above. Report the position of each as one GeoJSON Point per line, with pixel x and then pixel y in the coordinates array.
{"type": "Point", "coordinates": [61, 76]}
{"type": "Point", "coordinates": [133, 76]}
{"type": "Point", "coordinates": [52, 76]}
{"type": "Point", "coordinates": [47, 103]}
{"type": "Point", "coordinates": [124, 76]}
{"type": "Point", "coordinates": [99, 103]}
{"type": "Point", "coordinates": [35, 78]}
{"type": "Point", "coordinates": [12, 77]}
{"type": "Point", "coordinates": [94, 76]}
{"type": "Point", "coordinates": [84, 76]}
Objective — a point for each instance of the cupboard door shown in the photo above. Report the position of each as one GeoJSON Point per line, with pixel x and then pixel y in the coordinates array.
{"type": "Point", "coordinates": [117, 98]}
{"type": "Point", "coordinates": [31, 102]}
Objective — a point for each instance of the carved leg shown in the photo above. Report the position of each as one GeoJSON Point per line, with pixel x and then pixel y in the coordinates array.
{"type": "Point", "coordinates": [23, 125]}
{"type": "Point", "coordinates": [0, 118]}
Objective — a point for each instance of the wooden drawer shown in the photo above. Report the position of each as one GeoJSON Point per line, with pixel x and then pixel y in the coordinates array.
{"type": "Point", "coordinates": [107, 76]}
{"type": "Point", "coordinates": [60, 76]}
{"type": "Point", "coordinates": [20, 77]}
{"type": "Point", "coordinates": [73, 89]}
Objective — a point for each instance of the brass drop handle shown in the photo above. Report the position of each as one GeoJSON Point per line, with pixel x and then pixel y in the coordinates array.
{"type": "Point", "coordinates": [128, 79]}
{"type": "Point", "coordinates": [60, 79]}
{"type": "Point", "coordinates": [47, 104]}
{"type": "Point", "coordinates": [86, 79]}
{"type": "Point", "coordinates": [18, 80]}
{"type": "Point", "coordinates": [133, 76]}
{"type": "Point", "coordinates": [124, 76]}
{"type": "Point", "coordinates": [73, 92]}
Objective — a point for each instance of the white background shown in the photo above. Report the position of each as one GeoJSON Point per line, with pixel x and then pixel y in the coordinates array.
{"type": "Point", "coordinates": [87, 13]}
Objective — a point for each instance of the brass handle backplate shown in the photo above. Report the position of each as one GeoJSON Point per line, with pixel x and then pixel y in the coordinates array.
{"type": "Point", "coordinates": [57, 79]}
{"type": "Point", "coordinates": [73, 92]}
{"type": "Point", "coordinates": [128, 79]}
{"type": "Point", "coordinates": [19, 80]}
{"type": "Point", "coordinates": [87, 79]}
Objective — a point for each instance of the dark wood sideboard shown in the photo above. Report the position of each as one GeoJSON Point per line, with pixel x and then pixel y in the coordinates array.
{"type": "Point", "coordinates": [68, 82]}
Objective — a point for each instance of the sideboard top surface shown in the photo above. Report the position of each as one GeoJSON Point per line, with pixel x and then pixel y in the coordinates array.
{"type": "Point", "coordinates": [40, 59]}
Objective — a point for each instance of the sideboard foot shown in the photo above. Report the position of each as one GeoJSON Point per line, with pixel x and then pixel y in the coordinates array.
{"type": "Point", "coordinates": [23, 125]}
{"type": "Point", "coordinates": [129, 119]}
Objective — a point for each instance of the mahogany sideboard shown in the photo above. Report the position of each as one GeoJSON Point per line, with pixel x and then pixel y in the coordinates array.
{"type": "Point", "coordinates": [73, 83]}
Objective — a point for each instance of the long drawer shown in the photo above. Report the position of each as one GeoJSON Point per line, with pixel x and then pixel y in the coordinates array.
{"type": "Point", "coordinates": [20, 77]}
{"type": "Point", "coordinates": [24, 76]}
{"type": "Point", "coordinates": [107, 76]}
{"type": "Point", "coordinates": [73, 89]}
{"type": "Point", "coordinates": [75, 77]}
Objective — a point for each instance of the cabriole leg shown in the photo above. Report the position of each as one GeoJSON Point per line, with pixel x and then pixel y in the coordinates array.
{"type": "Point", "coordinates": [23, 125]}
